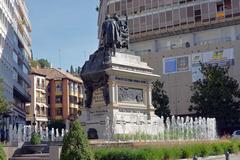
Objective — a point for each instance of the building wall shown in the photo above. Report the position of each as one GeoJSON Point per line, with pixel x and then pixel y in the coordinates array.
{"type": "Point", "coordinates": [153, 18]}
{"type": "Point", "coordinates": [37, 110]}
{"type": "Point", "coordinates": [15, 52]}
{"type": "Point", "coordinates": [164, 29]}
{"type": "Point", "coordinates": [70, 97]}
{"type": "Point", "coordinates": [178, 85]}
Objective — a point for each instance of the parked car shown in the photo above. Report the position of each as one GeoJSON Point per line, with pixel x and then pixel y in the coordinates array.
{"type": "Point", "coordinates": [236, 134]}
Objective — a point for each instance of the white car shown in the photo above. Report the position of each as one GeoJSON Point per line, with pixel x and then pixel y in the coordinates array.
{"type": "Point", "coordinates": [236, 134]}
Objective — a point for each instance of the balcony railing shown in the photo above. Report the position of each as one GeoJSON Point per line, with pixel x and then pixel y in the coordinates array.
{"type": "Point", "coordinates": [41, 100]}
{"type": "Point", "coordinates": [40, 87]}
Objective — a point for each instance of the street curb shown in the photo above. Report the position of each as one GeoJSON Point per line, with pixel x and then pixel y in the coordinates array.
{"type": "Point", "coordinates": [208, 158]}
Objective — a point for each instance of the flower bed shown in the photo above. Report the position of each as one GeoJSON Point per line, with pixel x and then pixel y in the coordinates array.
{"type": "Point", "coordinates": [171, 151]}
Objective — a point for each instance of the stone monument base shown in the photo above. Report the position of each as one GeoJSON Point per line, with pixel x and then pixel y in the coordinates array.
{"type": "Point", "coordinates": [130, 110]}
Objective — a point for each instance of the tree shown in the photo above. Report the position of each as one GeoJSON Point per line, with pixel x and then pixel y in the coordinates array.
{"type": "Point", "coordinates": [44, 63]}
{"type": "Point", "coordinates": [34, 63]}
{"type": "Point", "coordinates": [160, 100]}
{"type": "Point", "coordinates": [3, 102]}
{"type": "Point", "coordinates": [216, 95]}
{"type": "Point", "coordinates": [75, 144]}
{"type": "Point", "coordinates": [79, 70]}
{"type": "Point", "coordinates": [71, 69]}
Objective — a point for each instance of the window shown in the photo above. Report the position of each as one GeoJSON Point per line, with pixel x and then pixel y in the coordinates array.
{"type": "Point", "coordinates": [124, 7]}
{"type": "Point", "coordinates": [169, 18]}
{"type": "Point", "coordinates": [43, 84]}
{"type": "Point", "coordinates": [58, 99]}
{"type": "Point", "coordinates": [142, 23]}
{"type": "Point", "coordinates": [27, 109]}
{"type": "Point", "coordinates": [136, 25]}
{"type": "Point", "coordinates": [176, 17]}
{"type": "Point", "coordinates": [38, 83]}
{"type": "Point", "coordinates": [149, 22]}
{"type": "Point", "coordinates": [49, 100]}
{"type": "Point", "coordinates": [183, 15]}
{"type": "Point", "coordinates": [197, 12]}
{"type": "Point", "coordinates": [15, 57]}
{"type": "Point", "coordinates": [205, 13]}
{"type": "Point", "coordinates": [155, 21]}
{"type": "Point", "coordinates": [59, 111]}
{"type": "Point", "coordinates": [58, 87]}
{"type": "Point", "coordinates": [162, 19]}
{"type": "Point", "coordinates": [190, 14]}
{"type": "Point", "coordinates": [49, 112]}
{"type": "Point", "coordinates": [25, 69]}
{"type": "Point", "coordinates": [38, 109]}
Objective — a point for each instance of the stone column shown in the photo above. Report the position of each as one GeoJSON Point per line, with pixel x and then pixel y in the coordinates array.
{"type": "Point", "coordinates": [149, 99]}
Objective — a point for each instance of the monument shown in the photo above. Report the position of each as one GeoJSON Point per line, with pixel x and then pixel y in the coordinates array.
{"type": "Point", "coordinates": [118, 86]}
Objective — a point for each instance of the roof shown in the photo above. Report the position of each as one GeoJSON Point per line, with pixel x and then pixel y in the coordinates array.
{"type": "Point", "coordinates": [53, 73]}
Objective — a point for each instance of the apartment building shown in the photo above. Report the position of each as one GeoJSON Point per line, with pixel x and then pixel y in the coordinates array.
{"type": "Point", "coordinates": [174, 35]}
{"type": "Point", "coordinates": [37, 110]}
{"type": "Point", "coordinates": [59, 90]}
{"type": "Point", "coordinates": [15, 52]}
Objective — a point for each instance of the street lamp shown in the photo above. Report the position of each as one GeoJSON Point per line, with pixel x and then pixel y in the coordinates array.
{"type": "Point", "coordinates": [34, 122]}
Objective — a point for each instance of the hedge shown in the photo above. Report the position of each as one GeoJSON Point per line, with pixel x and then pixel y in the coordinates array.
{"type": "Point", "coordinates": [2, 153]}
{"type": "Point", "coordinates": [165, 152]}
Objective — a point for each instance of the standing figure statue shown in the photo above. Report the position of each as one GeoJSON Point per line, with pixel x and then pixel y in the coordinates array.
{"type": "Point", "coordinates": [114, 35]}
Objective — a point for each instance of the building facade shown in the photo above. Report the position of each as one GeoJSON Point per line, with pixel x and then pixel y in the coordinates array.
{"type": "Point", "coordinates": [37, 110]}
{"type": "Point", "coordinates": [15, 52]}
{"type": "Point", "coordinates": [60, 91]}
{"type": "Point", "coordinates": [174, 35]}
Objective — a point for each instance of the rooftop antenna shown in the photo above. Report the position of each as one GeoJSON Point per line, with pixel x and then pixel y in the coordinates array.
{"type": "Point", "coordinates": [85, 56]}
{"type": "Point", "coordinates": [59, 56]}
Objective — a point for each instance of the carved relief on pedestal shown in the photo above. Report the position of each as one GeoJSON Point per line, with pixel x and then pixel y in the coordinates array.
{"type": "Point", "coordinates": [130, 95]}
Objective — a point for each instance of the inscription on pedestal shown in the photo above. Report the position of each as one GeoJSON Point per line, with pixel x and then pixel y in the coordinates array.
{"type": "Point", "coordinates": [98, 98]}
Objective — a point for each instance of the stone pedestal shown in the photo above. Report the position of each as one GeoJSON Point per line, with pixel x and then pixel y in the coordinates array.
{"type": "Point", "coordinates": [130, 110]}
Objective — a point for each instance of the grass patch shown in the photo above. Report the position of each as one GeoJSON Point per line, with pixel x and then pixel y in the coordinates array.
{"type": "Point", "coordinates": [169, 151]}
{"type": "Point", "coordinates": [2, 153]}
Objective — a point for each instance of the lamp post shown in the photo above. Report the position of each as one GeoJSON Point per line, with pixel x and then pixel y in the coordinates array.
{"type": "Point", "coordinates": [34, 122]}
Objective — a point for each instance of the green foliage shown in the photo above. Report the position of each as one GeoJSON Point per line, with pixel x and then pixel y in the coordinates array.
{"type": "Point", "coordinates": [35, 139]}
{"type": "Point", "coordinates": [176, 151]}
{"type": "Point", "coordinates": [42, 63]}
{"type": "Point", "coordinates": [2, 153]}
{"type": "Point", "coordinates": [75, 144]}
{"type": "Point", "coordinates": [216, 95]}
{"type": "Point", "coordinates": [71, 69]}
{"type": "Point", "coordinates": [75, 70]}
{"type": "Point", "coordinates": [97, 8]}
{"type": "Point", "coordinates": [3, 103]}
{"type": "Point", "coordinates": [160, 100]}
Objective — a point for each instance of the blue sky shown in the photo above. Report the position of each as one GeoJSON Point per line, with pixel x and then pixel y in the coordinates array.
{"type": "Point", "coordinates": [63, 27]}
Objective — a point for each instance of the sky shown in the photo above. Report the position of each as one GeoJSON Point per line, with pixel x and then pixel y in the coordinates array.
{"type": "Point", "coordinates": [63, 31]}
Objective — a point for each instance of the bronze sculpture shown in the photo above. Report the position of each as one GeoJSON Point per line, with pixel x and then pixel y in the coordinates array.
{"type": "Point", "coordinates": [114, 36]}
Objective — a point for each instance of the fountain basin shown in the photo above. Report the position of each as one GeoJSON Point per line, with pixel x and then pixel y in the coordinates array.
{"type": "Point", "coordinates": [38, 148]}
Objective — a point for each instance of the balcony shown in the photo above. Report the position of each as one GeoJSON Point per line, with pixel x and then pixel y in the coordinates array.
{"type": "Point", "coordinates": [23, 9]}
{"type": "Point", "coordinates": [21, 73]}
{"type": "Point", "coordinates": [20, 92]}
{"type": "Point", "coordinates": [41, 100]}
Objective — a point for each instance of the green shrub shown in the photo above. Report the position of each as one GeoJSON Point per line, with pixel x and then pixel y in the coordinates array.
{"type": "Point", "coordinates": [35, 139]}
{"type": "Point", "coordinates": [175, 151]}
{"type": "Point", "coordinates": [75, 144]}
{"type": "Point", "coordinates": [2, 153]}
{"type": "Point", "coordinates": [217, 149]}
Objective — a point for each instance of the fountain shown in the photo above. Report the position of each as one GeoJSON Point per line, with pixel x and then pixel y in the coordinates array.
{"type": "Point", "coordinates": [175, 128]}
